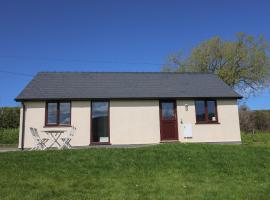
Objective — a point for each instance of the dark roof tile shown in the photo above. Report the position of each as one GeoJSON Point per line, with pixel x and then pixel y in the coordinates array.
{"type": "Point", "coordinates": [124, 85]}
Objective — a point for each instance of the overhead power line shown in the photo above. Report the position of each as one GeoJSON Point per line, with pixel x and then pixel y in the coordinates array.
{"type": "Point", "coordinates": [70, 60]}
{"type": "Point", "coordinates": [83, 60]}
{"type": "Point", "coordinates": [16, 73]}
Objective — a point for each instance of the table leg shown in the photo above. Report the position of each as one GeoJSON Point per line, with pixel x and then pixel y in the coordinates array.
{"type": "Point", "coordinates": [53, 140]}
{"type": "Point", "coordinates": [56, 140]}
{"type": "Point", "coordinates": [55, 137]}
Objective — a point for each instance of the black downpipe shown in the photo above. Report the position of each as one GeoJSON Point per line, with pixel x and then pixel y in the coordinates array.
{"type": "Point", "coordinates": [23, 126]}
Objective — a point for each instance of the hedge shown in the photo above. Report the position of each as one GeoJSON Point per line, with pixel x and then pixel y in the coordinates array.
{"type": "Point", "coordinates": [254, 121]}
{"type": "Point", "coordinates": [9, 136]}
{"type": "Point", "coordinates": [9, 117]}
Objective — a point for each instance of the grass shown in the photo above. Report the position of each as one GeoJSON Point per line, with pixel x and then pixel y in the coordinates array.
{"type": "Point", "coordinates": [165, 171]}
{"type": "Point", "coordinates": [9, 137]}
{"type": "Point", "coordinates": [258, 139]}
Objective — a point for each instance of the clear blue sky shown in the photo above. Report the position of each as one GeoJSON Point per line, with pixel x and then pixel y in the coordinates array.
{"type": "Point", "coordinates": [115, 35]}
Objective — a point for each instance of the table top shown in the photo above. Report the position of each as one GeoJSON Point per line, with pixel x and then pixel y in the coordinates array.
{"type": "Point", "coordinates": [54, 131]}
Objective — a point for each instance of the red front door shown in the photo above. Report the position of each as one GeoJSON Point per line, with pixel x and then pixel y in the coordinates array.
{"type": "Point", "coordinates": [168, 120]}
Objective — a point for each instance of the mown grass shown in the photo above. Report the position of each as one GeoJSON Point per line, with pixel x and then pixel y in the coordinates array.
{"type": "Point", "coordinates": [9, 137]}
{"type": "Point", "coordinates": [165, 171]}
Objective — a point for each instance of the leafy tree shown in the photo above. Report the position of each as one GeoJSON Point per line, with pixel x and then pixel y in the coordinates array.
{"type": "Point", "coordinates": [243, 64]}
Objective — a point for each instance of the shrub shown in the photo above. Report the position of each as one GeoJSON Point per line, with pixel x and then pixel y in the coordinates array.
{"type": "Point", "coordinates": [254, 121]}
{"type": "Point", "coordinates": [9, 117]}
{"type": "Point", "coordinates": [9, 136]}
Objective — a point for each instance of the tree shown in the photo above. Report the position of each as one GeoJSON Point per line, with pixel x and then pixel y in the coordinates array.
{"type": "Point", "coordinates": [243, 64]}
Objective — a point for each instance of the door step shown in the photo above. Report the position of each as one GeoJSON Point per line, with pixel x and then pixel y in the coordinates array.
{"type": "Point", "coordinates": [169, 141]}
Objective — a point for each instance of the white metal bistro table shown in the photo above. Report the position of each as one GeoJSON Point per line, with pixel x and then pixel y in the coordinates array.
{"type": "Point", "coordinates": [55, 135]}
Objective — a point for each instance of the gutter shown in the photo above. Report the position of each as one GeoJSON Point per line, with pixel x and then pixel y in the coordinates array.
{"type": "Point", "coordinates": [122, 98]}
{"type": "Point", "coordinates": [23, 127]}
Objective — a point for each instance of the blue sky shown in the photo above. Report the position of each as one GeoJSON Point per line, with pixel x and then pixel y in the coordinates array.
{"type": "Point", "coordinates": [115, 35]}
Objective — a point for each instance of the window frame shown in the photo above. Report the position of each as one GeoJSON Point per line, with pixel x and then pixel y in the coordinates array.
{"type": "Point", "coordinates": [206, 120]}
{"type": "Point", "coordinates": [57, 124]}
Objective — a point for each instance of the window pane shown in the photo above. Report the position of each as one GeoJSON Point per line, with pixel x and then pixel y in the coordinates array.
{"type": "Point", "coordinates": [211, 106]}
{"type": "Point", "coordinates": [167, 111]}
{"type": "Point", "coordinates": [200, 110]}
{"type": "Point", "coordinates": [100, 121]}
{"type": "Point", "coordinates": [65, 113]}
{"type": "Point", "coordinates": [52, 113]}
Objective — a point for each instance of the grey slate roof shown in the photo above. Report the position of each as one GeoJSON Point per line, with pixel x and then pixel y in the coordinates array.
{"type": "Point", "coordinates": [124, 85]}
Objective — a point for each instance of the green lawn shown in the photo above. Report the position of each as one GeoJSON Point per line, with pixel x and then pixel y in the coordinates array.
{"type": "Point", "coordinates": [165, 171]}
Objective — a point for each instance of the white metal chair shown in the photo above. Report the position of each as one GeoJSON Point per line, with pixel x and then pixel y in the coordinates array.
{"type": "Point", "coordinates": [66, 140]}
{"type": "Point", "coordinates": [40, 143]}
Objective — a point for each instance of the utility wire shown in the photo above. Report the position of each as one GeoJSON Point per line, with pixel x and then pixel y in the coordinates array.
{"type": "Point", "coordinates": [16, 73]}
{"type": "Point", "coordinates": [70, 60]}
{"type": "Point", "coordinates": [83, 60]}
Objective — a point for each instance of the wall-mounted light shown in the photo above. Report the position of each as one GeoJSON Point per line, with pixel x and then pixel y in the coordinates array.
{"type": "Point", "coordinates": [186, 107]}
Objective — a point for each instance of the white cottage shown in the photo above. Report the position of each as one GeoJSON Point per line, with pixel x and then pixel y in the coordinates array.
{"type": "Point", "coordinates": [130, 108]}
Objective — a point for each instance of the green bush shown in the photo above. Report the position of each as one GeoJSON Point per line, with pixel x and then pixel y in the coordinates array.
{"type": "Point", "coordinates": [254, 121]}
{"type": "Point", "coordinates": [9, 136]}
{"type": "Point", "coordinates": [9, 117]}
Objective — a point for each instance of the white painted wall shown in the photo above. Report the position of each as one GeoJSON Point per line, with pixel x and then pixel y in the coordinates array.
{"type": "Point", "coordinates": [134, 122]}
{"type": "Point", "coordinates": [227, 131]}
{"type": "Point", "coordinates": [137, 122]}
{"type": "Point", "coordinates": [35, 117]}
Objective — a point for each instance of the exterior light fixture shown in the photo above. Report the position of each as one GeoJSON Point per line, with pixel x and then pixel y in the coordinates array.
{"type": "Point", "coordinates": [186, 107]}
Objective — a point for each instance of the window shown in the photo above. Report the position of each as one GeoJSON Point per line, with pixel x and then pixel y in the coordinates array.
{"type": "Point", "coordinates": [58, 114]}
{"type": "Point", "coordinates": [100, 121]}
{"type": "Point", "coordinates": [64, 113]}
{"type": "Point", "coordinates": [206, 111]}
{"type": "Point", "coordinates": [167, 109]}
{"type": "Point", "coordinates": [52, 113]}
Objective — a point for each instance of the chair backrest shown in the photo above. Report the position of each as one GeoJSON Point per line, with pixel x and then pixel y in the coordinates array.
{"type": "Point", "coordinates": [34, 133]}
{"type": "Point", "coordinates": [72, 131]}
